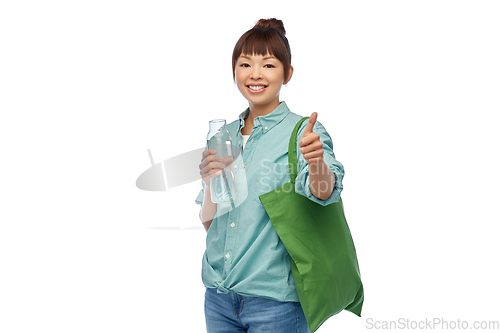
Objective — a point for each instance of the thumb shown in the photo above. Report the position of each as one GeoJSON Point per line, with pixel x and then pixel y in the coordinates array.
{"type": "Point", "coordinates": [310, 124]}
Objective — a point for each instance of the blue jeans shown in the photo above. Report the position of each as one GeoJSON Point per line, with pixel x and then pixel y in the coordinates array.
{"type": "Point", "coordinates": [229, 313]}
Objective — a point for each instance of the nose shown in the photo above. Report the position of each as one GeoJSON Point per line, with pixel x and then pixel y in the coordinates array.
{"type": "Point", "coordinates": [256, 73]}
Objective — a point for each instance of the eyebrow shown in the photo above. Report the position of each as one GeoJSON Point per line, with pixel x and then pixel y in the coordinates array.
{"type": "Point", "coordinates": [270, 57]}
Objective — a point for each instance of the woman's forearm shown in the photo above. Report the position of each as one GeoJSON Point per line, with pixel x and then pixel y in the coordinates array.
{"type": "Point", "coordinates": [321, 180]}
{"type": "Point", "coordinates": [208, 209]}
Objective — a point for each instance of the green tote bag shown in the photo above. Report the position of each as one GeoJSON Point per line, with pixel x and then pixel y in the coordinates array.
{"type": "Point", "coordinates": [323, 258]}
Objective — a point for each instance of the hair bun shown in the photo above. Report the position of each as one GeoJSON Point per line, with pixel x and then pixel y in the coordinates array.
{"type": "Point", "coordinates": [271, 23]}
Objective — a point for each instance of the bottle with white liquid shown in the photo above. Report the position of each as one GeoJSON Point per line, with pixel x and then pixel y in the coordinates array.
{"type": "Point", "coordinates": [218, 138]}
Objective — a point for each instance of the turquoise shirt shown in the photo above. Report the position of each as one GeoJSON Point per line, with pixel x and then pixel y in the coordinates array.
{"type": "Point", "coordinates": [244, 253]}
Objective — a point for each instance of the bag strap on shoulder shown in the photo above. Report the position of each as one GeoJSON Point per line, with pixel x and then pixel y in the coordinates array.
{"type": "Point", "coordinates": [292, 151]}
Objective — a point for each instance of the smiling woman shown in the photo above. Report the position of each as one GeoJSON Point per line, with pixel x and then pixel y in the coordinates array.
{"type": "Point", "coordinates": [245, 260]}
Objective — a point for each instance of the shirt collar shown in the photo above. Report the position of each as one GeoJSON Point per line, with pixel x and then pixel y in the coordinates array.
{"type": "Point", "coordinates": [269, 120]}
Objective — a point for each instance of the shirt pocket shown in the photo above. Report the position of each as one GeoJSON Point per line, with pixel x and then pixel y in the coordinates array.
{"type": "Point", "coordinates": [270, 176]}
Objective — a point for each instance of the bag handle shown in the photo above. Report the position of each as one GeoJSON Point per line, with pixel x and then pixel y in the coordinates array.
{"type": "Point", "coordinates": [292, 152]}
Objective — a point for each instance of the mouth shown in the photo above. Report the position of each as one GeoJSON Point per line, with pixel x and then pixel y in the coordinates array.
{"type": "Point", "coordinates": [255, 89]}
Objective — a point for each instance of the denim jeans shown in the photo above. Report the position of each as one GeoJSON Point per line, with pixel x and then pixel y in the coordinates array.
{"type": "Point", "coordinates": [229, 313]}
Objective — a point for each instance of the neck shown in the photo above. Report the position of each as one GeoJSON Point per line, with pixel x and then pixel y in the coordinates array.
{"type": "Point", "coordinates": [262, 110]}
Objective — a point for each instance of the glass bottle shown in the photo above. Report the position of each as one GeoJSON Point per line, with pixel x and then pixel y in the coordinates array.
{"type": "Point", "coordinates": [219, 139]}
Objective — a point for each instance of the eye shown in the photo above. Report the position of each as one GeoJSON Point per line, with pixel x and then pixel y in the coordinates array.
{"type": "Point", "coordinates": [244, 65]}
{"type": "Point", "coordinates": [269, 66]}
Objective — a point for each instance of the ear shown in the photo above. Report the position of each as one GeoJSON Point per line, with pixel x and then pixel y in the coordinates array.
{"type": "Point", "coordinates": [289, 75]}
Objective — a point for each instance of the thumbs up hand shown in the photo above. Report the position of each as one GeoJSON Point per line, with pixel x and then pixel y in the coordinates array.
{"type": "Point", "coordinates": [322, 178]}
{"type": "Point", "coordinates": [310, 144]}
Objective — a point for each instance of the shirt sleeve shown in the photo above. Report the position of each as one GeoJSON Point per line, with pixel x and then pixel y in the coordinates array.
{"type": "Point", "coordinates": [302, 180]}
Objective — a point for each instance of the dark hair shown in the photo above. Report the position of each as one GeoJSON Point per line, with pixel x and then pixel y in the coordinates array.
{"type": "Point", "coordinates": [267, 36]}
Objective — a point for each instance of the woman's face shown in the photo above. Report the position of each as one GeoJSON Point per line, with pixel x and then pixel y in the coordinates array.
{"type": "Point", "coordinates": [259, 79]}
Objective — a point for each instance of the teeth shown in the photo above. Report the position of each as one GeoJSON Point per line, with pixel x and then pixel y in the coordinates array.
{"type": "Point", "coordinates": [256, 87]}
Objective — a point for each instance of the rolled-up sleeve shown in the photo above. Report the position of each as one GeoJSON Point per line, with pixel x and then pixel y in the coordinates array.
{"type": "Point", "coordinates": [302, 180]}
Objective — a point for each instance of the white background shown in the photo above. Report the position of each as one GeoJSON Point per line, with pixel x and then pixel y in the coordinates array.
{"type": "Point", "coordinates": [408, 90]}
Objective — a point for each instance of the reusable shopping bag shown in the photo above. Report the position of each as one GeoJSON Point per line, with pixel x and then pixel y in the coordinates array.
{"type": "Point", "coordinates": [324, 264]}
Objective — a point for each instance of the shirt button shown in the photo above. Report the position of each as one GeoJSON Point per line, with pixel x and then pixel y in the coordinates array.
{"type": "Point", "coordinates": [252, 140]}
{"type": "Point", "coordinates": [235, 166]}
{"type": "Point", "coordinates": [265, 127]}
{"type": "Point", "coordinates": [227, 255]}
{"type": "Point", "coordinates": [232, 225]}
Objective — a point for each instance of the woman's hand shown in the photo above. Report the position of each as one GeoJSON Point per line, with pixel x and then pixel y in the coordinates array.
{"type": "Point", "coordinates": [310, 144]}
{"type": "Point", "coordinates": [211, 165]}
{"type": "Point", "coordinates": [322, 178]}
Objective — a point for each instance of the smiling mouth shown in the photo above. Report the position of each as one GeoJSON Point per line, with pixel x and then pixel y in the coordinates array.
{"type": "Point", "coordinates": [256, 88]}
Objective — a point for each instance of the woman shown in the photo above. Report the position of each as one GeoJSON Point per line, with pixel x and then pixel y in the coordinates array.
{"type": "Point", "coordinates": [246, 268]}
